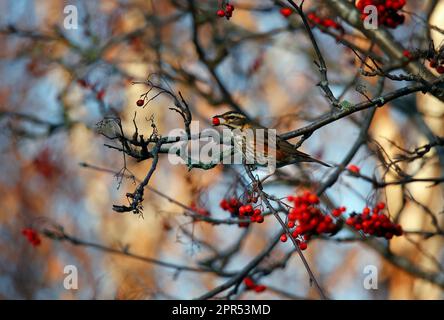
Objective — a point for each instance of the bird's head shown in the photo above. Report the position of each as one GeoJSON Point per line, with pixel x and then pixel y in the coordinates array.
{"type": "Point", "coordinates": [230, 119]}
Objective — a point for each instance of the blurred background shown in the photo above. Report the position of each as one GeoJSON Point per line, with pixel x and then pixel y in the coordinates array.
{"type": "Point", "coordinates": [57, 83]}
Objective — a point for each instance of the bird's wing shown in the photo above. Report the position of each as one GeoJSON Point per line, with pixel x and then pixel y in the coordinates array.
{"type": "Point", "coordinates": [265, 139]}
{"type": "Point", "coordinates": [273, 143]}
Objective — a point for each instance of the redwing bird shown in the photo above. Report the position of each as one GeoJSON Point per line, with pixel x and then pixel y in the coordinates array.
{"type": "Point", "coordinates": [259, 149]}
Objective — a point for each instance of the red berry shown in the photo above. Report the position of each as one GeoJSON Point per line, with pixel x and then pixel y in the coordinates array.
{"type": "Point", "coordinates": [299, 230]}
{"type": "Point", "coordinates": [291, 224]}
{"type": "Point", "coordinates": [83, 83]}
{"type": "Point", "coordinates": [321, 228]}
{"type": "Point", "coordinates": [229, 8]}
{"type": "Point", "coordinates": [314, 222]}
{"type": "Point", "coordinates": [366, 210]}
{"type": "Point", "coordinates": [305, 217]}
{"type": "Point", "coordinates": [100, 94]}
{"type": "Point", "coordinates": [313, 199]}
{"type": "Point", "coordinates": [350, 221]}
{"type": "Point", "coordinates": [32, 236]}
{"type": "Point", "coordinates": [306, 194]}
{"type": "Point", "coordinates": [388, 235]}
{"type": "Point", "coordinates": [386, 225]}
{"type": "Point", "coordinates": [257, 212]}
{"type": "Point", "coordinates": [286, 12]}
{"type": "Point", "coordinates": [284, 237]}
{"type": "Point", "coordinates": [216, 120]}
{"type": "Point", "coordinates": [259, 219]}
{"type": "Point", "coordinates": [297, 201]}
{"type": "Point", "coordinates": [353, 168]}
{"type": "Point", "coordinates": [220, 13]}
{"type": "Point", "coordinates": [303, 245]}
{"type": "Point", "coordinates": [398, 230]}
{"type": "Point", "coordinates": [249, 283]}
{"type": "Point", "coordinates": [260, 288]}
{"type": "Point", "coordinates": [311, 15]}
{"type": "Point", "coordinates": [440, 69]}
{"type": "Point", "coordinates": [332, 228]}
{"type": "Point", "coordinates": [224, 204]}
{"type": "Point", "coordinates": [407, 54]}
{"type": "Point", "coordinates": [293, 215]}
{"type": "Point", "coordinates": [140, 102]}
{"type": "Point", "coordinates": [248, 208]}
{"type": "Point", "coordinates": [380, 205]}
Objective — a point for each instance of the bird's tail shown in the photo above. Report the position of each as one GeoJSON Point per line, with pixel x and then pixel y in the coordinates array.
{"type": "Point", "coordinates": [319, 161]}
{"type": "Point", "coordinates": [307, 158]}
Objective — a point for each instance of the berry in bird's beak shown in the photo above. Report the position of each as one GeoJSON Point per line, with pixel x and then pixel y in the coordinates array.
{"type": "Point", "coordinates": [216, 121]}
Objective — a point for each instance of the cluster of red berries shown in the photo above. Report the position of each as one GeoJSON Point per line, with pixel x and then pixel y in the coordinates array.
{"type": "Point", "coordinates": [325, 22]}
{"type": "Point", "coordinates": [227, 13]}
{"type": "Point", "coordinates": [251, 285]}
{"type": "Point", "coordinates": [388, 14]}
{"type": "Point", "coordinates": [438, 65]}
{"type": "Point", "coordinates": [32, 236]}
{"type": "Point", "coordinates": [306, 219]}
{"type": "Point", "coordinates": [242, 210]}
{"type": "Point", "coordinates": [373, 222]}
